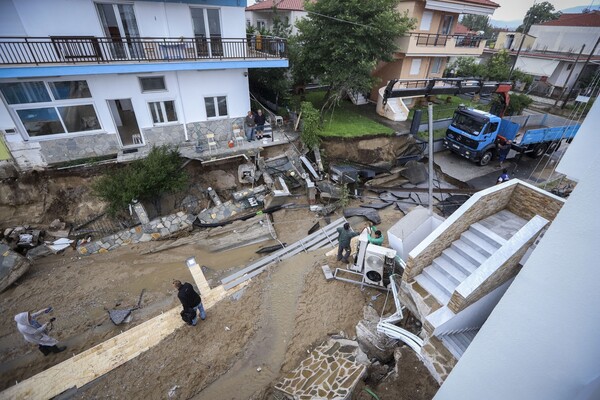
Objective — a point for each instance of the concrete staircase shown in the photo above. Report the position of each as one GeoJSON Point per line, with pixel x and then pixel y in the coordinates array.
{"type": "Point", "coordinates": [457, 342]}
{"type": "Point", "coordinates": [357, 98]}
{"type": "Point", "coordinates": [459, 261]}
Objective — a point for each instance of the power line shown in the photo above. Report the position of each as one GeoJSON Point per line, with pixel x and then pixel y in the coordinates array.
{"type": "Point", "coordinates": [340, 20]}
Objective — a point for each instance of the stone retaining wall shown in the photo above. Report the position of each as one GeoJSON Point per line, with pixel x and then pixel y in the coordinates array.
{"type": "Point", "coordinates": [156, 229]}
{"type": "Point", "coordinates": [80, 147]}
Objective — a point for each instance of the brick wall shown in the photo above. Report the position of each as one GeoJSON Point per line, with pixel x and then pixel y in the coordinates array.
{"type": "Point", "coordinates": [526, 203]}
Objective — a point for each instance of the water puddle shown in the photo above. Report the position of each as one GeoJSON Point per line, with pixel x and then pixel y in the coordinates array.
{"type": "Point", "coordinates": [267, 348]}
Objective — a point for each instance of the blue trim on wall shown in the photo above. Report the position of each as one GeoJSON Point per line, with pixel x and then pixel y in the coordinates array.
{"type": "Point", "coordinates": [225, 3]}
{"type": "Point", "coordinates": [102, 69]}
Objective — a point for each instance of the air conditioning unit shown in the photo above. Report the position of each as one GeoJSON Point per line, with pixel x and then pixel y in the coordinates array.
{"type": "Point", "coordinates": [359, 260]}
{"type": "Point", "coordinates": [375, 259]}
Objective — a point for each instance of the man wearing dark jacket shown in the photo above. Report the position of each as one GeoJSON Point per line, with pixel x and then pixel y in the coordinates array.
{"type": "Point", "coordinates": [191, 302]}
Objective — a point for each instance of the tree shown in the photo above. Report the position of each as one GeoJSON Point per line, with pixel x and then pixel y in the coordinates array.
{"type": "Point", "coordinates": [496, 68]}
{"type": "Point", "coordinates": [466, 67]}
{"type": "Point", "coordinates": [146, 179]}
{"type": "Point", "coordinates": [537, 14]}
{"type": "Point", "coordinates": [281, 26]}
{"type": "Point", "coordinates": [341, 42]}
{"type": "Point", "coordinates": [478, 23]}
{"type": "Point", "coordinates": [310, 125]}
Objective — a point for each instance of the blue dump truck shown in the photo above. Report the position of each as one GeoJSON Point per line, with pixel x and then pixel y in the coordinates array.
{"type": "Point", "coordinates": [475, 134]}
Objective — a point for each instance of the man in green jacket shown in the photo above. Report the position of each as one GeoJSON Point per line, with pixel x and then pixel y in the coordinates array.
{"type": "Point", "coordinates": [345, 235]}
{"type": "Point", "coordinates": [375, 235]}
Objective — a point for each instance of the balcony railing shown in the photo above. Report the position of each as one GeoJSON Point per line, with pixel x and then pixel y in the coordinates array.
{"type": "Point", "coordinates": [436, 40]}
{"type": "Point", "coordinates": [86, 49]}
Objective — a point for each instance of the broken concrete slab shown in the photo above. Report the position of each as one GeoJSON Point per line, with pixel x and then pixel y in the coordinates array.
{"type": "Point", "coordinates": [375, 344]}
{"type": "Point", "coordinates": [329, 190]}
{"type": "Point", "coordinates": [387, 197]}
{"type": "Point", "coordinates": [12, 266]}
{"type": "Point", "coordinates": [369, 213]}
{"type": "Point", "coordinates": [377, 206]}
{"type": "Point", "coordinates": [415, 172]}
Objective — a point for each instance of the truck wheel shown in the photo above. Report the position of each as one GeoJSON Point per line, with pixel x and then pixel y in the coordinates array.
{"type": "Point", "coordinates": [485, 158]}
{"type": "Point", "coordinates": [553, 147]}
{"type": "Point", "coordinates": [538, 150]}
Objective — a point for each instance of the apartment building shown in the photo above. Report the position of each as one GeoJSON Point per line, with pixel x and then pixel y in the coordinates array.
{"type": "Point", "coordinates": [262, 14]}
{"type": "Point", "coordinates": [424, 52]}
{"type": "Point", "coordinates": [109, 79]}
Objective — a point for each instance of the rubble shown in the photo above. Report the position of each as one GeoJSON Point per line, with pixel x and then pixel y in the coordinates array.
{"type": "Point", "coordinates": [12, 266]}
{"type": "Point", "coordinates": [368, 213]}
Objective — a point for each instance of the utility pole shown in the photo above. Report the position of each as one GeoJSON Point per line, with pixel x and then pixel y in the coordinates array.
{"type": "Point", "coordinates": [580, 73]}
{"type": "Point", "coordinates": [569, 76]}
{"type": "Point", "coordinates": [524, 33]}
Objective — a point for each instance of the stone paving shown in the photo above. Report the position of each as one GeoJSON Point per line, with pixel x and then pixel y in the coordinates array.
{"type": "Point", "coordinates": [154, 230]}
{"type": "Point", "coordinates": [330, 372]}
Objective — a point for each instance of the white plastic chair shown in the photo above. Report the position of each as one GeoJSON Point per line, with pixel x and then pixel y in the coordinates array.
{"type": "Point", "coordinates": [210, 137]}
{"type": "Point", "coordinates": [237, 134]}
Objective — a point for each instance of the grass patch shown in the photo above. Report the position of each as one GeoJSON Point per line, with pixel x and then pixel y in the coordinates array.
{"type": "Point", "coordinates": [346, 121]}
{"type": "Point", "coordinates": [446, 108]}
{"type": "Point", "coordinates": [437, 134]}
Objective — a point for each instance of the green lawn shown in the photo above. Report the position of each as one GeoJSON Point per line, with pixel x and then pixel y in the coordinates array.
{"type": "Point", "coordinates": [346, 120]}
{"type": "Point", "coordinates": [437, 134]}
{"type": "Point", "coordinates": [445, 109]}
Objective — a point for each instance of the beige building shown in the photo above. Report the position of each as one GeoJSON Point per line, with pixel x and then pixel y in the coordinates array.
{"type": "Point", "coordinates": [424, 52]}
{"type": "Point", "coordinates": [512, 41]}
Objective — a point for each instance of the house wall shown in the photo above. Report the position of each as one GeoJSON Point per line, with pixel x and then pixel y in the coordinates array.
{"type": "Point", "coordinates": [567, 39]}
{"type": "Point", "coordinates": [502, 41]}
{"type": "Point", "coordinates": [154, 19]}
{"type": "Point", "coordinates": [560, 75]}
{"type": "Point", "coordinates": [541, 340]}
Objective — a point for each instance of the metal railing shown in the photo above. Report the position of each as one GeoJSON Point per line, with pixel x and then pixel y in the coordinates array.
{"type": "Point", "coordinates": [437, 40]}
{"type": "Point", "coordinates": [86, 49]}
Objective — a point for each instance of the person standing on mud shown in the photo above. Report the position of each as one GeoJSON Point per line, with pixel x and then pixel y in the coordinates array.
{"type": "Point", "coordinates": [191, 302]}
{"type": "Point", "coordinates": [36, 333]}
{"type": "Point", "coordinates": [345, 235]}
{"type": "Point", "coordinates": [260, 121]}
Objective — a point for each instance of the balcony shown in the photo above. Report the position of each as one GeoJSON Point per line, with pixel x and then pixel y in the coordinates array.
{"type": "Point", "coordinates": [104, 50]}
{"type": "Point", "coordinates": [426, 44]}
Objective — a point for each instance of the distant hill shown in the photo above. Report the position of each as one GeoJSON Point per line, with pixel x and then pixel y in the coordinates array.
{"type": "Point", "coordinates": [514, 23]}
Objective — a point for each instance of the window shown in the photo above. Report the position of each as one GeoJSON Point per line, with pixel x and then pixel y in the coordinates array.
{"type": "Point", "coordinates": [163, 111]}
{"type": "Point", "coordinates": [261, 24]}
{"type": "Point", "coordinates": [436, 65]}
{"type": "Point", "coordinates": [24, 92]}
{"type": "Point", "coordinates": [493, 127]}
{"type": "Point", "coordinates": [569, 66]}
{"type": "Point", "coordinates": [446, 27]}
{"type": "Point", "coordinates": [153, 84]}
{"type": "Point", "coordinates": [216, 106]}
{"type": "Point", "coordinates": [51, 107]}
{"type": "Point", "coordinates": [66, 90]}
{"type": "Point", "coordinates": [426, 21]}
{"type": "Point", "coordinates": [415, 66]}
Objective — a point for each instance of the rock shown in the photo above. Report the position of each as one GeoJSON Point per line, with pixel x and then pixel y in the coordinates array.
{"type": "Point", "coordinates": [376, 372]}
{"type": "Point", "coordinates": [57, 225]}
{"type": "Point", "coordinates": [374, 344]}
{"type": "Point", "coordinates": [227, 328]}
{"type": "Point", "coordinates": [7, 232]}
{"type": "Point", "coordinates": [191, 204]}
{"type": "Point", "coordinates": [258, 369]}
{"type": "Point", "coordinates": [39, 252]}
{"type": "Point", "coordinates": [12, 266]}
{"type": "Point", "coordinates": [370, 314]}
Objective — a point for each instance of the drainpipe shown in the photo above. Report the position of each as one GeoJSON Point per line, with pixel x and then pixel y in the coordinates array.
{"type": "Point", "coordinates": [430, 155]}
{"type": "Point", "coordinates": [185, 131]}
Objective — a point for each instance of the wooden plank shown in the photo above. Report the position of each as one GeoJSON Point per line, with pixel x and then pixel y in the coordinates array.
{"type": "Point", "coordinates": [278, 254]}
{"type": "Point", "coordinates": [91, 364]}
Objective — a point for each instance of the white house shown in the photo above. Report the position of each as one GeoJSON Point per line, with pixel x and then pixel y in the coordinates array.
{"type": "Point", "coordinates": [553, 55]}
{"type": "Point", "coordinates": [102, 79]}
{"type": "Point", "coordinates": [541, 340]}
{"type": "Point", "coordinates": [263, 13]}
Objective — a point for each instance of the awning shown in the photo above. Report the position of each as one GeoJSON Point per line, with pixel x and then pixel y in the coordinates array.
{"type": "Point", "coordinates": [536, 66]}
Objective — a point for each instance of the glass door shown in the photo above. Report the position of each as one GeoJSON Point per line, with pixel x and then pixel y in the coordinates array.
{"type": "Point", "coordinates": [207, 31]}
{"type": "Point", "coordinates": [125, 120]}
{"type": "Point", "coordinates": [120, 25]}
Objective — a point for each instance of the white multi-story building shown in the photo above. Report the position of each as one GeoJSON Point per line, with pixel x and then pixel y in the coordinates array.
{"type": "Point", "coordinates": [84, 78]}
{"type": "Point", "coordinates": [263, 14]}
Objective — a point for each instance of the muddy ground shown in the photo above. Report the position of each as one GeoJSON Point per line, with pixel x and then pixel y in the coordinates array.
{"type": "Point", "coordinates": [272, 323]}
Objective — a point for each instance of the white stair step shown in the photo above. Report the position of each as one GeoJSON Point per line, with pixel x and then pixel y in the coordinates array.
{"type": "Point", "coordinates": [440, 279]}
{"type": "Point", "coordinates": [482, 245]}
{"type": "Point", "coordinates": [459, 261]}
{"type": "Point", "coordinates": [462, 340]}
{"type": "Point", "coordinates": [432, 289]}
{"type": "Point", "coordinates": [452, 346]}
{"type": "Point", "coordinates": [455, 274]}
{"type": "Point", "coordinates": [487, 234]}
{"type": "Point", "coordinates": [468, 252]}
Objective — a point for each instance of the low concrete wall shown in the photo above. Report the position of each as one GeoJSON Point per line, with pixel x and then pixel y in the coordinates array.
{"type": "Point", "coordinates": [156, 229]}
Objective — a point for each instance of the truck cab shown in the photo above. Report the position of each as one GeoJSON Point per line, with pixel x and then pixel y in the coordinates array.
{"type": "Point", "coordinates": [472, 134]}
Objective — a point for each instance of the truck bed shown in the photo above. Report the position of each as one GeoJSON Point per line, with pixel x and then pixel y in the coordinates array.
{"type": "Point", "coordinates": [526, 130]}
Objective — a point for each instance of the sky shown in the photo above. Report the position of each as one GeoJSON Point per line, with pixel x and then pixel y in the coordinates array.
{"type": "Point", "coordinates": [516, 9]}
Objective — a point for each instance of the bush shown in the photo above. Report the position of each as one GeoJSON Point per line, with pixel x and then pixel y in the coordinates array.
{"type": "Point", "coordinates": [310, 126]}
{"type": "Point", "coordinates": [518, 102]}
{"type": "Point", "coordinates": [146, 179]}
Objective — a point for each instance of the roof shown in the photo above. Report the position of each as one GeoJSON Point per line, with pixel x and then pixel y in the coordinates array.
{"type": "Point", "coordinates": [288, 5]}
{"type": "Point", "coordinates": [481, 3]}
{"type": "Point", "coordinates": [461, 29]}
{"type": "Point", "coordinates": [584, 19]}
